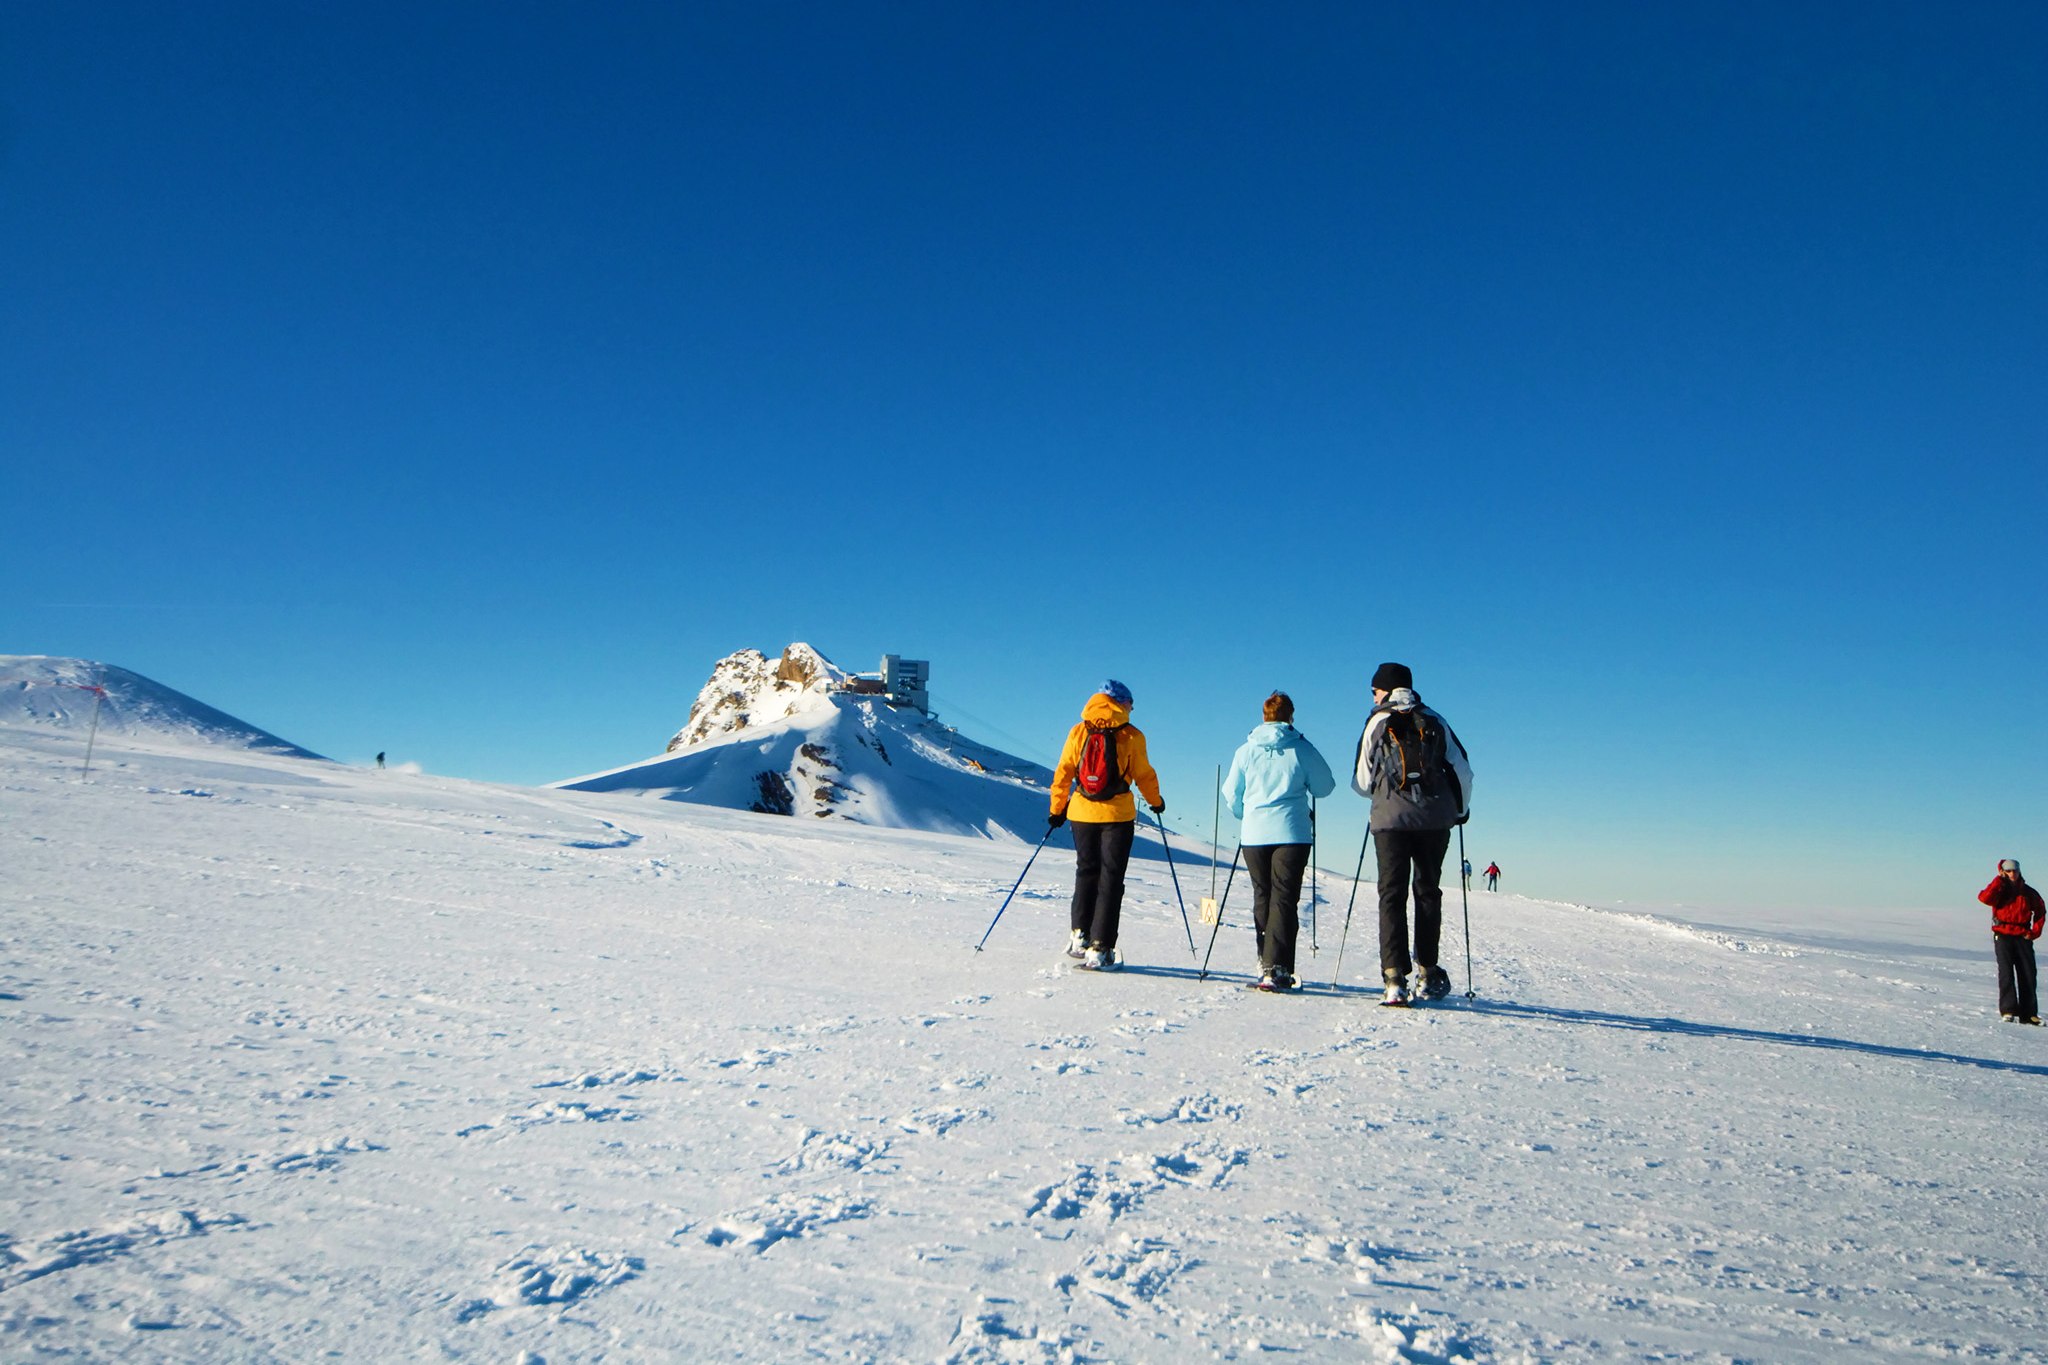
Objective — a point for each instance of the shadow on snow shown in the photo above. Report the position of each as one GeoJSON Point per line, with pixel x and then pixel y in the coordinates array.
{"type": "Point", "coordinates": [1642, 1024]}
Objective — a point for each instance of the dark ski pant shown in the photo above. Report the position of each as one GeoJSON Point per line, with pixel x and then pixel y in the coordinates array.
{"type": "Point", "coordinates": [1405, 856]}
{"type": "Point", "coordinates": [2016, 976]}
{"type": "Point", "coordinates": [1276, 871]}
{"type": "Point", "coordinates": [1101, 853]}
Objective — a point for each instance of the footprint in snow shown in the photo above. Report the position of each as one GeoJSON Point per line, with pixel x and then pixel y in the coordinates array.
{"type": "Point", "coordinates": [939, 1120]}
{"type": "Point", "coordinates": [818, 1151]}
{"type": "Point", "coordinates": [1204, 1108]}
{"type": "Point", "coordinates": [781, 1218]}
{"type": "Point", "coordinates": [21, 1262]}
{"type": "Point", "coordinates": [553, 1111]}
{"type": "Point", "coordinates": [538, 1276]}
{"type": "Point", "coordinates": [323, 1157]}
{"type": "Point", "coordinates": [989, 1334]}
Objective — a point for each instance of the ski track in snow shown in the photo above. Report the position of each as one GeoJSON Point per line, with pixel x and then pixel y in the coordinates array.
{"type": "Point", "coordinates": [393, 1067]}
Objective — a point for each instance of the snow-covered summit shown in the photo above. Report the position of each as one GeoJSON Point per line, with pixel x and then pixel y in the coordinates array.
{"type": "Point", "coordinates": [45, 692]}
{"type": "Point", "coordinates": [800, 735]}
{"type": "Point", "coordinates": [747, 690]}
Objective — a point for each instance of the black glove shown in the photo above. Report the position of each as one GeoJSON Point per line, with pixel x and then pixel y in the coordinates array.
{"type": "Point", "coordinates": [1055, 820]}
{"type": "Point", "coordinates": [1159, 809]}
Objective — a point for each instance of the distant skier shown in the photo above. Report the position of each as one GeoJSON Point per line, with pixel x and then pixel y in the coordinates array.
{"type": "Point", "coordinates": [1493, 876]}
{"type": "Point", "coordinates": [380, 761]}
{"type": "Point", "coordinates": [1275, 772]}
{"type": "Point", "coordinates": [2017, 915]}
{"type": "Point", "coordinates": [1465, 872]}
{"type": "Point", "coordinates": [1103, 756]}
{"type": "Point", "coordinates": [1415, 772]}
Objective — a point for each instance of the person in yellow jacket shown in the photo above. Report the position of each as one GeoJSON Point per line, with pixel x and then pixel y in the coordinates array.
{"type": "Point", "coordinates": [1105, 824]}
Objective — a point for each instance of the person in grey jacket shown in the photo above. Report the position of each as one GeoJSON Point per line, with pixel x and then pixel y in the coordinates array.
{"type": "Point", "coordinates": [1273, 775]}
{"type": "Point", "coordinates": [1415, 772]}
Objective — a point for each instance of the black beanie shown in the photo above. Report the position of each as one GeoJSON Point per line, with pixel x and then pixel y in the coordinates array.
{"type": "Point", "coordinates": [1390, 676]}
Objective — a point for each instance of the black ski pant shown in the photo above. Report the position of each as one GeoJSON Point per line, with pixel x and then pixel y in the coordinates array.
{"type": "Point", "coordinates": [1405, 856]}
{"type": "Point", "coordinates": [2016, 976]}
{"type": "Point", "coordinates": [1276, 871]}
{"type": "Point", "coordinates": [1101, 854]}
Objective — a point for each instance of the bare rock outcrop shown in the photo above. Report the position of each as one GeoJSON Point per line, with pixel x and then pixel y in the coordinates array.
{"type": "Point", "coordinates": [747, 689]}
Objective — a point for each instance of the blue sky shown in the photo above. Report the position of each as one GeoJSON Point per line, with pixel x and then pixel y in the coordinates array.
{"type": "Point", "coordinates": [1667, 384]}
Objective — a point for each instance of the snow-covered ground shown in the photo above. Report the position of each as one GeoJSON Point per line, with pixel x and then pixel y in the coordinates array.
{"type": "Point", "coordinates": [304, 1061]}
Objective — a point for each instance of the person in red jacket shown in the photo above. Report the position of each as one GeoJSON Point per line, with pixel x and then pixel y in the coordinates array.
{"type": "Point", "coordinates": [2016, 918]}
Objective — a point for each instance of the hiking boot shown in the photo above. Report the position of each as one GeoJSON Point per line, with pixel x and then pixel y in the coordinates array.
{"type": "Point", "coordinates": [1077, 944]}
{"type": "Point", "coordinates": [1100, 959]}
{"type": "Point", "coordinates": [2008, 1018]}
{"type": "Point", "coordinates": [1432, 983]}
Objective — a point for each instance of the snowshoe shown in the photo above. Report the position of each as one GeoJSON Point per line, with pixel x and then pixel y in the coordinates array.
{"type": "Point", "coordinates": [1432, 983]}
{"type": "Point", "coordinates": [1077, 944]}
{"type": "Point", "coordinates": [1397, 990]}
{"type": "Point", "coordinates": [1102, 960]}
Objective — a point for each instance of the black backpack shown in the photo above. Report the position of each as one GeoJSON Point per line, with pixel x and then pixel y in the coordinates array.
{"type": "Point", "coordinates": [1415, 766]}
{"type": "Point", "coordinates": [1098, 774]}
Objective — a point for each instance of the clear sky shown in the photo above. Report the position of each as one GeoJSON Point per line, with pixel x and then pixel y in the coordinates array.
{"type": "Point", "coordinates": [1667, 384]}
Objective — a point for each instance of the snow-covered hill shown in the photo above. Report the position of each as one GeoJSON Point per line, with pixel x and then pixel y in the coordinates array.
{"type": "Point", "coordinates": [61, 694]}
{"type": "Point", "coordinates": [784, 736]}
{"type": "Point", "coordinates": [301, 1061]}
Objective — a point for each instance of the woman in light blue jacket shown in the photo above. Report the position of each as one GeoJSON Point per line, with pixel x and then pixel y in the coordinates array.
{"type": "Point", "coordinates": [1271, 779]}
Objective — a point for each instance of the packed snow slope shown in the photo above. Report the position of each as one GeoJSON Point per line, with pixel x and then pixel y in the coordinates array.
{"type": "Point", "coordinates": [783, 737]}
{"type": "Point", "coordinates": [305, 1061]}
{"type": "Point", "coordinates": [61, 694]}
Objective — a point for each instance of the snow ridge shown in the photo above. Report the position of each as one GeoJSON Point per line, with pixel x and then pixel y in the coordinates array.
{"type": "Point", "coordinates": [48, 692]}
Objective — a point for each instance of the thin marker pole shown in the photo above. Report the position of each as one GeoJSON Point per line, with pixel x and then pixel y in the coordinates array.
{"type": "Point", "coordinates": [99, 694]}
{"type": "Point", "coordinates": [1216, 832]}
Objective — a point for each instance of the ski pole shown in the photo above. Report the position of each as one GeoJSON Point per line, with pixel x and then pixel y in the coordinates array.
{"type": "Point", "coordinates": [1356, 873]}
{"type": "Point", "coordinates": [1314, 948]}
{"type": "Point", "coordinates": [1186, 928]}
{"type": "Point", "coordinates": [1466, 897]}
{"type": "Point", "coordinates": [1203, 975]}
{"type": "Point", "coordinates": [1013, 889]}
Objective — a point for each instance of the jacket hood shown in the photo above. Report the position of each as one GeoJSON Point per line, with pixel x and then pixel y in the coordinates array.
{"type": "Point", "coordinates": [1102, 714]}
{"type": "Point", "coordinates": [1274, 734]}
{"type": "Point", "coordinates": [1401, 699]}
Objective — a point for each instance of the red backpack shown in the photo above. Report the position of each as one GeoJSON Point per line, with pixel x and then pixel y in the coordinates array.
{"type": "Point", "coordinates": [1098, 774]}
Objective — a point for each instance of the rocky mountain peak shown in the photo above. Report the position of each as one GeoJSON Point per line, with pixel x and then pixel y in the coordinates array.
{"type": "Point", "coordinates": [747, 689]}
